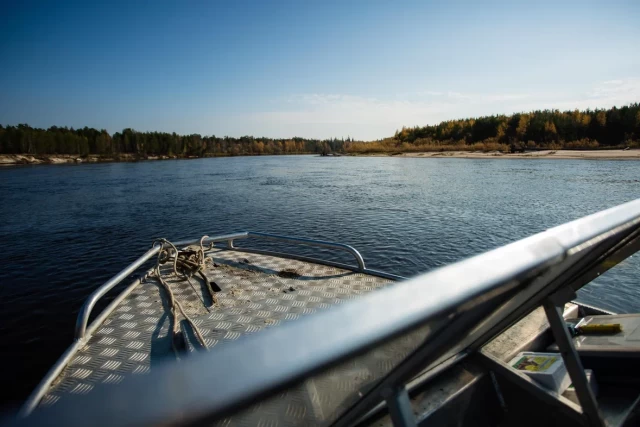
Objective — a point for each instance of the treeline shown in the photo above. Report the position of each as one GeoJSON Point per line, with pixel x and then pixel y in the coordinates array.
{"type": "Point", "coordinates": [548, 129]}
{"type": "Point", "coordinates": [23, 139]}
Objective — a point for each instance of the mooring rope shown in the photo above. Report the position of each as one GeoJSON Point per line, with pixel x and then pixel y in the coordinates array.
{"type": "Point", "coordinates": [196, 263]}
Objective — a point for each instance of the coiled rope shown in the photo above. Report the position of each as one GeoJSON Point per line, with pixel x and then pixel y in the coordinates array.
{"type": "Point", "coordinates": [196, 262]}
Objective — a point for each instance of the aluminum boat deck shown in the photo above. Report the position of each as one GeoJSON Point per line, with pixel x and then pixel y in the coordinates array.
{"type": "Point", "coordinates": [257, 291]}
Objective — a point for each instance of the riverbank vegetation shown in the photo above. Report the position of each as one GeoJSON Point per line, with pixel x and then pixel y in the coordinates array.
{"type": "Point", "coordinates": [537, 130]}
{"type": "Point", "coordinates": [24, 139]}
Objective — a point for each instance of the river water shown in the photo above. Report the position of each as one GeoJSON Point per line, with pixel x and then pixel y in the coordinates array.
{"type": "Point", "coordinates": [65, 229]}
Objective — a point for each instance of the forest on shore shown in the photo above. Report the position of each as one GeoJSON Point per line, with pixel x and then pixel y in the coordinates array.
{"type": "Point", "coordinates": [24, 139]}
{"type": "Point", "coordinates": [537, 130]}
{"type": "Point", "coordinates": [544, 129]}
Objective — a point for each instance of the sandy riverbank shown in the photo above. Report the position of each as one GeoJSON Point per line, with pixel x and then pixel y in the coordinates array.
{"type": "Point", "coordinates": [634, 154]}
{"type": "Point", "coordinates": [546, 154]}
{"type": "Point", "coordinates": [54, 159]}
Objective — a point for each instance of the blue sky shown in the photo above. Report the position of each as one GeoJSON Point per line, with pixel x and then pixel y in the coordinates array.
{"type": "Point", "coordinates": [306, 68]}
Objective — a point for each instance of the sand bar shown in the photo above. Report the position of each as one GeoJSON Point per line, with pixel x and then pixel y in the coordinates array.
{"type": "Point", "coordinates": [633, 154]}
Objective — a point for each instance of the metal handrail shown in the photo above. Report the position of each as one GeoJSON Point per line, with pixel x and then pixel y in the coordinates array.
{"type": "Point", "coordinates": [82, 330]}
{"type": "Point", "coordinates": [90, 302]}
{"type": "Point", "coordinates": [310, 242]}
{"type": "Point", "coordinates": [264, 363]}
{"type": "Point", "coordinates": [85, 312]}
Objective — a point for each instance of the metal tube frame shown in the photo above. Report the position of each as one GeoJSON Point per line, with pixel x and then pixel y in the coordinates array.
{"type": "Point", "coordinates": [87, 307]}
{"type": "Point", "coordinates": [83, 331]}
{"type": "Point", "coordinates": [400, 407]}
{"type": "Point", "coordinates": [309, 242]}
{"type": "Point", "coordinates": [572, 362]}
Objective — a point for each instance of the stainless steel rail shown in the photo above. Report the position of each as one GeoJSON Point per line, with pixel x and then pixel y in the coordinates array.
{"type": "Point", "coordinates": [216, 384]}
{"type": "Point", "coordinates": [87, 307]}
{"type": "Point", "coordinates": [82, 320]}
{"type": "Point", "coordinates": [309, 242]}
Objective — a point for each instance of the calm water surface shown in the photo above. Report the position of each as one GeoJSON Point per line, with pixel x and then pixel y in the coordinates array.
{"type": "Point", "coordinates": [66, 229]}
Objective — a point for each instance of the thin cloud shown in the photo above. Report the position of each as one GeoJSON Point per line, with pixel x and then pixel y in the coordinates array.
{"type": "Point", "coordinates": [376, 118]}
{"type": "Point", "coordinates": [605, 94]}
{"type": "Point", "coordinates": [460, 96]}
{"type": "Point", "coordinates": [333, 109]}
{"type": "Point", "coordinates": [617, 90]}
{"type": "Point", "coordinates": [505, 97]}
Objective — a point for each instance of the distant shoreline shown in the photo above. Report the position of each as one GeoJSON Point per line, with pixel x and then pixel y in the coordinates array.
{"type": "Point", "coordinates": [67, 159]}
{"type": "Point", "coordinates": [632, 154]}
{"type": "Point", "coordinates": [58, 159]}
{"type": "Point", "coordinates": [55, 159]}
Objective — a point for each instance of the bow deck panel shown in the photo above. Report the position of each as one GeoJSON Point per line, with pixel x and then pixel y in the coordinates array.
{"type": "Point", "coordinates": [257, 291]}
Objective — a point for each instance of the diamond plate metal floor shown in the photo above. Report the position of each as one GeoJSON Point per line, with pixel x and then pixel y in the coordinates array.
{"type": "Point", "coordinates": [258, 291]}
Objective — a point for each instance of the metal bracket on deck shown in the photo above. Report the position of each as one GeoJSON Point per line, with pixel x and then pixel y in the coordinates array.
{"type": "Point", "coordinates": [553, 306]}
{"type": "Point", "coordinates": [400, 407]}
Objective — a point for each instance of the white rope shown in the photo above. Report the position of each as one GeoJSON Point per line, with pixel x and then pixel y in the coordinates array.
{"type": "Point", "coordinates": [173, 302]}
